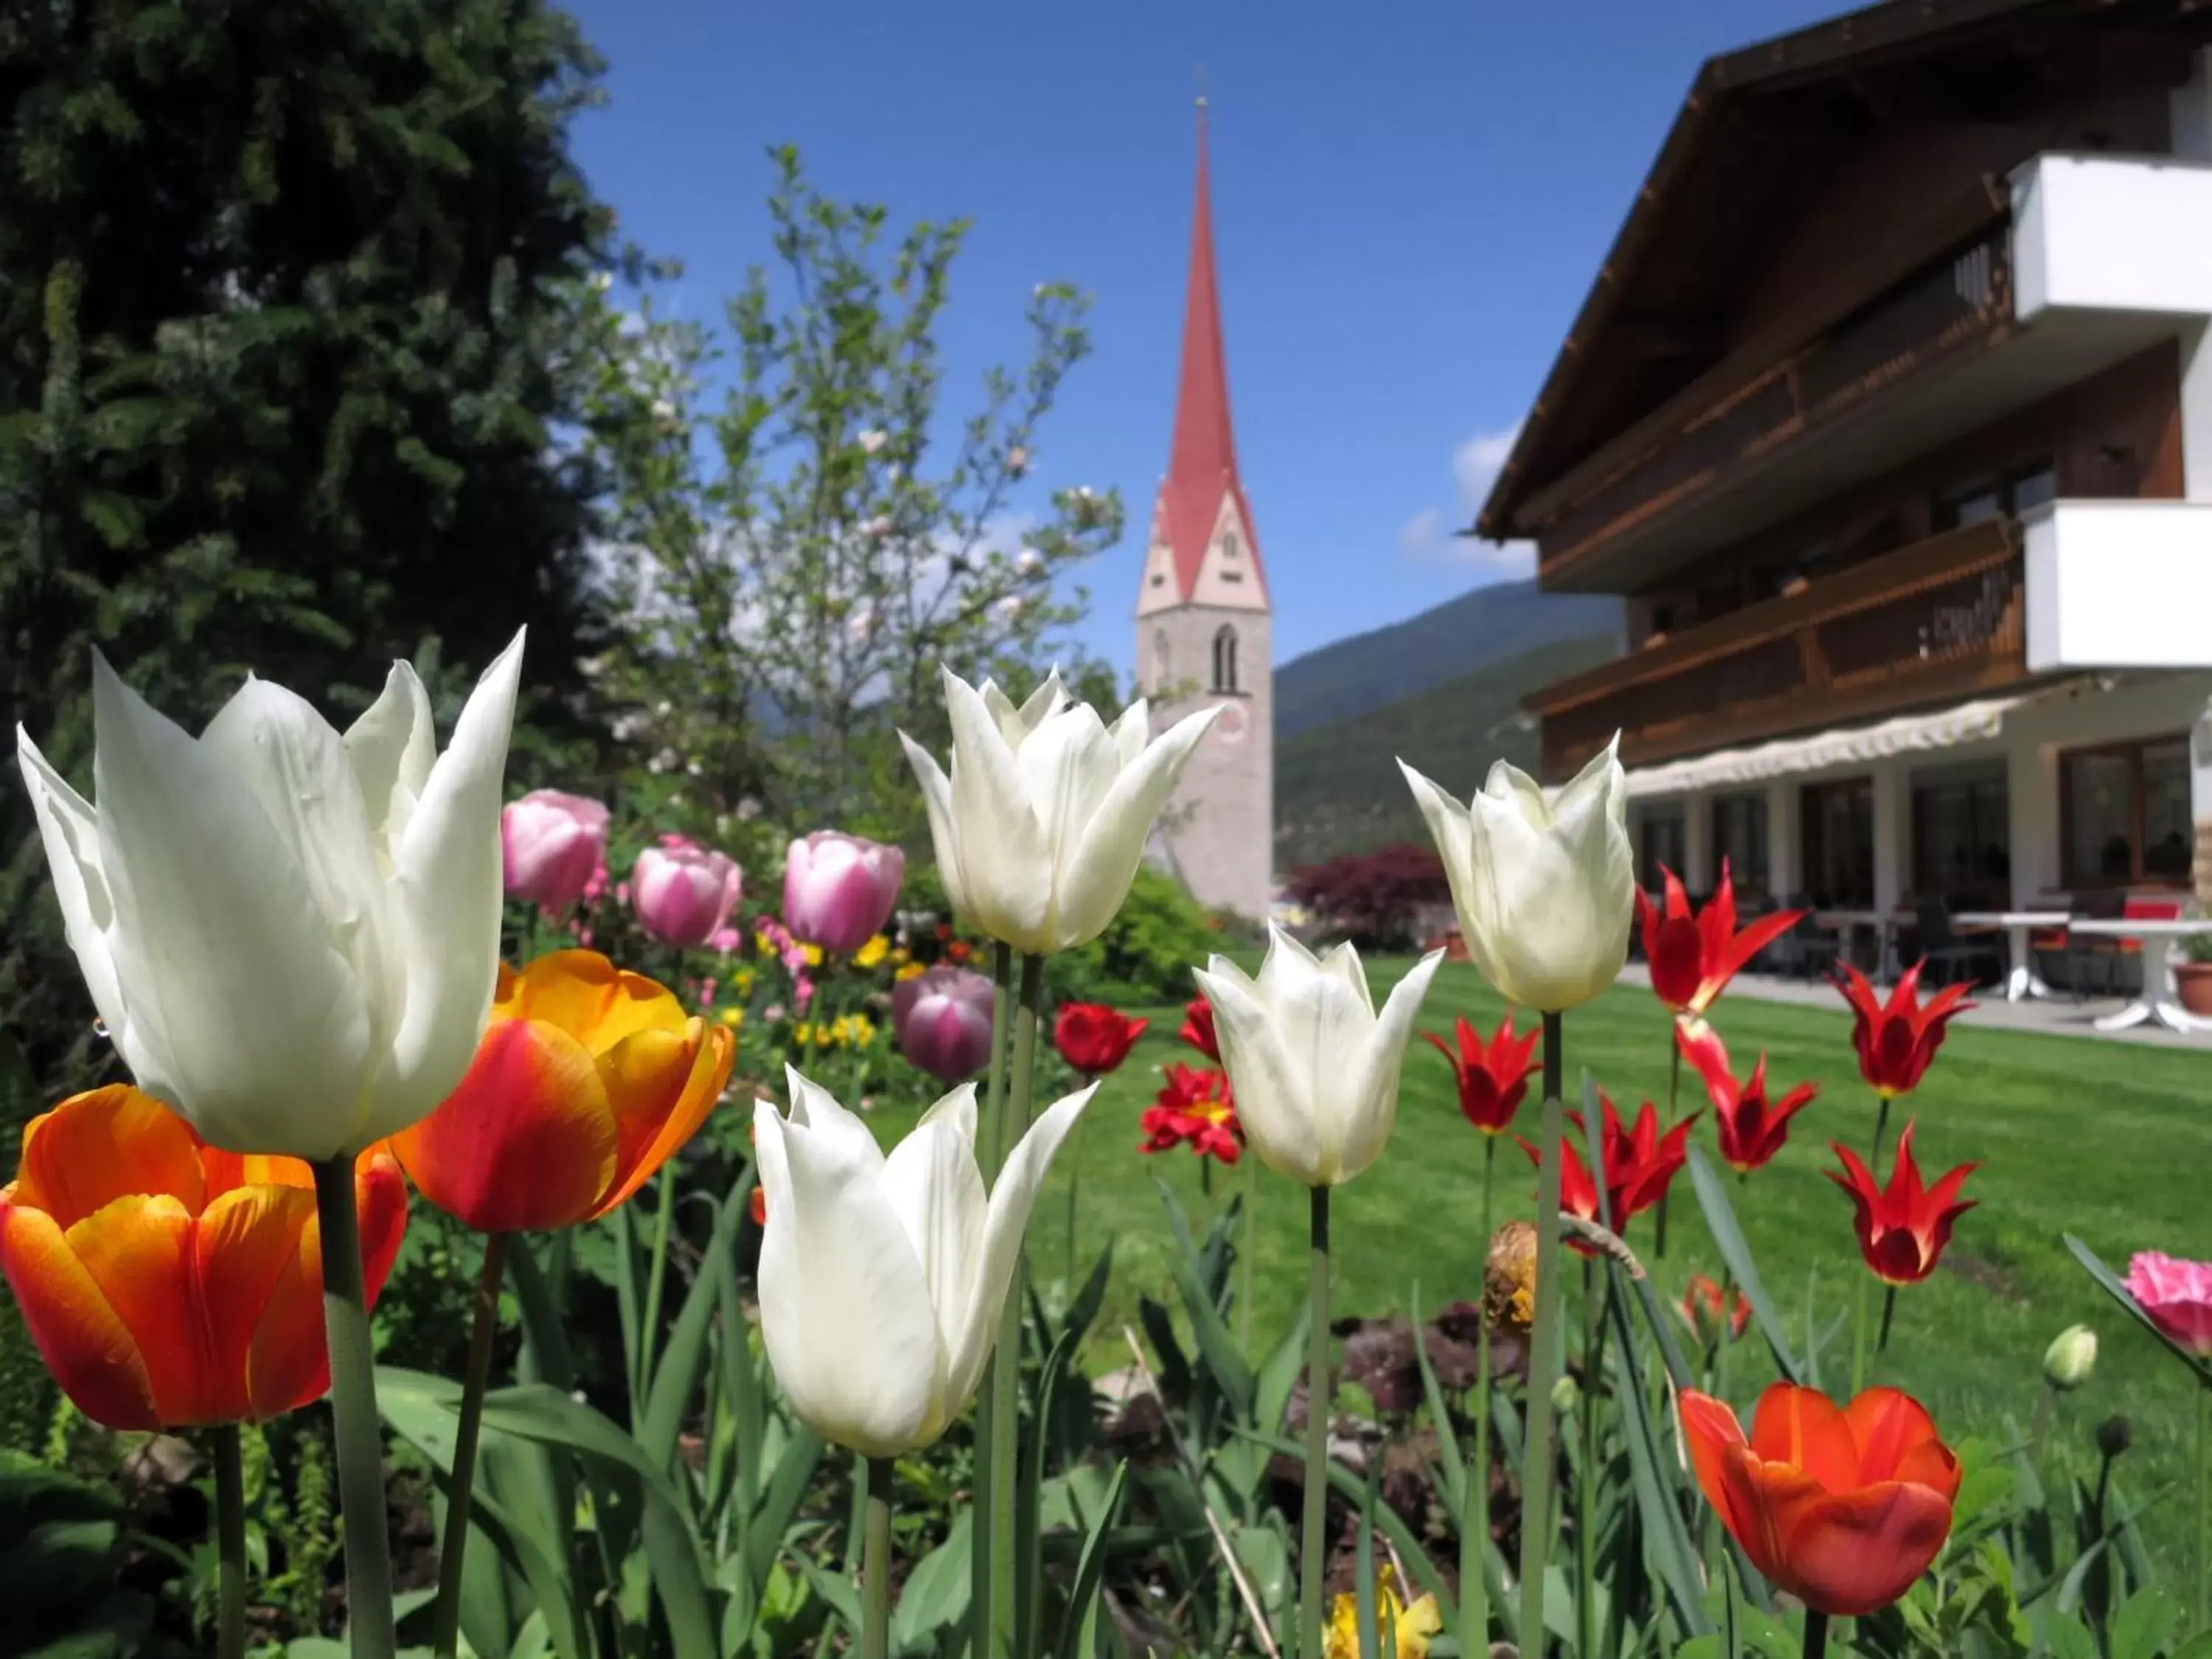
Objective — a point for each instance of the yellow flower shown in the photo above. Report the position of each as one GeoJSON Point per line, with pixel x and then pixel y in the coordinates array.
{"type": "Point", "coordinates": [873, 952]}
{"type": "Point", "coordinates": [733, 1017]}
{"type": "Point", "coordinates": [812, 953]}
{"type": "Point", "coordinates": [1406, 1631]}
{"type": "Point", "coordinates": [901, 956]}
{"type": "Point", "coordinates": [742, 982]}
{"type": "Point", "coordinates": [764, 944]}
{"type": "Point", "coordinates": [909, 970]}
{"type": "Point", "coordinates": [864, 1030]}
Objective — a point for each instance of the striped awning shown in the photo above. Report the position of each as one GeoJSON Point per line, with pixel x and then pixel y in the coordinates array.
{"type": "Point", "coordinates": [1820, 752]}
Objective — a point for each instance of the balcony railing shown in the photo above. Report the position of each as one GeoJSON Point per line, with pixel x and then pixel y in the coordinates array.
{"type": "Point", "coordinates": [1948, 307]}
{"type": "Point", "coordinates": [1943, 617]}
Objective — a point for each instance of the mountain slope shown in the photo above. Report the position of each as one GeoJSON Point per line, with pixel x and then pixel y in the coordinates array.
{"type": "Point", "coordinates": [1485, 625]}
{"type": "Point", "coordinates": [1338, 788]}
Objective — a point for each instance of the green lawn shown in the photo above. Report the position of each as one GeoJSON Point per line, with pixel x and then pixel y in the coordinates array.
{"type": "Point", "coordinates": [2110, 1141]}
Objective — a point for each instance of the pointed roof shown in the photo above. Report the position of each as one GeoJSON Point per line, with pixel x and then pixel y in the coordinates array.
{"type": "Point", "coordinates": [1202, 467]}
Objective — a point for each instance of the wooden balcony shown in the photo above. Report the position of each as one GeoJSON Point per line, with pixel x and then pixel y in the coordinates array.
{"type": "Point", "coordinates": [1942, 618]}
{"type": "Point", "coordinates": [1769, 403]}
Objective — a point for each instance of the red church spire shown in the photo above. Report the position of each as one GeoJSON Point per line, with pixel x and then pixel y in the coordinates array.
{"type": "Point", "coordinates": [1202, 468]}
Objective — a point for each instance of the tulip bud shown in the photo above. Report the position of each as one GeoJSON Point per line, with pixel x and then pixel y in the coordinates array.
{"type": "Point", "coordinates": [1544, 887]}
{"type": "Point", "coordinates": [1314, 1068]}
{"type": "Point", "coordinates": [2114, 1436]}
{"type": "Point", "coordinates": [838, 890]}
{"type": "Point", "coordinates": [684, 893]}
{"type": "Point", "coordinates": [2070, 1358]}
{"type": "Point", "coordinates": [1567, 1396]}
{"type": "Point", "coordinates": [942, 1020]}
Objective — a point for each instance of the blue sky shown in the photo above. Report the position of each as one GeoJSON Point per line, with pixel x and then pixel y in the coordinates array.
{"type": "Point", "coordinates": [1410, 202]}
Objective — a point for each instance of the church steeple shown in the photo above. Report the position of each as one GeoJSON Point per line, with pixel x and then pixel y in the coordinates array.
{"type": "Point", "coordinates": [1202, 466]}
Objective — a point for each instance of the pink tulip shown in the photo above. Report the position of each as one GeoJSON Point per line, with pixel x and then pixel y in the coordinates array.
{"type": "Point", "coordinates": [942, 1019]}
{"type": "Point", "coordinates": [684, 895]}
{"type": "Point", "coordinates": [838, 890]}
{"type": "Point", "coordinates": [551, 843]}
{"type": "Point", "coordinates": [2178, 1297]}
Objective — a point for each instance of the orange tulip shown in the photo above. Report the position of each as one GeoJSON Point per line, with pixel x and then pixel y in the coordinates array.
{"type": "Point", "coordinates": [1841, 1507]}
{"type": "Point", "coordinates": [171, 1284]}
{"type": "Point", "coordinates": [588, 1080]}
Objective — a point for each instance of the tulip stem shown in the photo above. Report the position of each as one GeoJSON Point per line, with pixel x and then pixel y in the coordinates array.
{"type": "Point", "coordinates": [991, 1150]}
{"type": "Point", "coordinates": [1586, 1488]}
{"type": "Point", "coordinates": [876, 1564]}
{"type": "Point", "coordinates": [360, 1441]}
{"type": "Point", "coordinates": [445, 1630]}
{"type": "Point", "coordinates": [1006, 1357]}
{"type": "Point", "coordinates": [1674, 1097]}
{"type": "Point", "coordinates": [1319, 1398]}
{"type": "Point", "coordinates": [1536, 1527]}
{"type": "Point", "coordinates": [2203, 1509]}
{"type": "Point", "coordinates": [230, 1541]}
{"type": "Point", "coordinates": [1475, 1507]}
{"type": "Point", "coordinates": [1816, 1634]}
{"type": "Point", "coordinates": [656, 1275]}
{"type": "Point", "coordinates": [1889, 1312]}
{"type": "Point", "coordinates": [1880, 1126]}
{"type": "Point", "coordinates": [1247, 1255]}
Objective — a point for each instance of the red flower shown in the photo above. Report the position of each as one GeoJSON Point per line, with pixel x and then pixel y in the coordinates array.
{"type": "Point", "coordinates": [1094, 1038]}
{"type": "Point", "coordinates": [1700, 1308]}
{"type": "Point", "coordinates": [1896, 1040]}
{"type": "Point", "coordinates": [1843, 1507]}
{"type": "Point", "coordinates": [1194, 1107]}
{"type": "Point", "coordinates": [1752, 1129]}
{"type": "Point", "coordinates": [1198, 1029]}
{"type": "Point", "coordinates": [1903, 1230]}
{"type": "Point", "coordinates": [758, 1206]}
{"type": "Point", "coordinates": [1638, 1164]}
{"type": "Point", "coordinates": [1694, 957]}
{"type": "Point", "coordinates": [1492, 1077]}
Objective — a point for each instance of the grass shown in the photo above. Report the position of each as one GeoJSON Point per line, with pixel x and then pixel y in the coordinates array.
{"type": "Point", "coordinates": [2105, 1140]}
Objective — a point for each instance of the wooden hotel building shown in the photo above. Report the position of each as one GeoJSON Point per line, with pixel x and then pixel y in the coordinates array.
{"type": "Point", "coordinates": [1890, 414]}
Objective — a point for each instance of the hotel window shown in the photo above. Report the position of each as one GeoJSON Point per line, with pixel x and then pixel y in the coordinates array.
{"type": "Point", "coordinates": [1740, 836]}
{"type": "Point", "coordinates": [2028, 485]}
{"type": "Point", "coordinates": [1962, 836]}
{"type": "Point", "coordinates": [1163, 662]}
{"type": "Point", "coordinates": [2123, 813]}
{"type": "Point", "coordinates": [1659, 842]}
{"type": "Point", "coordinates": [1837, 821]}
{"type": "Point", "coordinates": [1224, 660]}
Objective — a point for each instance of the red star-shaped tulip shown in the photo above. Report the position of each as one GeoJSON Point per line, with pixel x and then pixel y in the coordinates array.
{"type": "Point", "coordinates": [1492, 1077]}
{"type": "Point", "coordinates": [1694, 956]}
{"type": "Point", "coordinates": [1752, 1128]}
{"type": "Point", "coordinates": [1896, 1040]}
{"type": "Point", "coordinates": [1639, 1163]}
{"type": "Point", "coordinates": [1904, 1228]}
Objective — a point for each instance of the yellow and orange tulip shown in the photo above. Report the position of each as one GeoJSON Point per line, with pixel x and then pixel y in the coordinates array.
{"type": "Point", "coordinates": [168, 1284]}
{"type": "Point", "coordinates": [588, 1080]}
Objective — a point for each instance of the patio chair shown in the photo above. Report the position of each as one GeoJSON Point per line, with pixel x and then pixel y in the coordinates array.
{"type": "Point", "coordinates": [1947, 951]}
{"type": "Point", "coordinates": [2108, 954]}
{"type": "Point", "coordinates": [1807, 950]}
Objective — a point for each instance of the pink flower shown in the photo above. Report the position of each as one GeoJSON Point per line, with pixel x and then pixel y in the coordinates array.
{"type": "Point", "coordinates": [942, 1019]}
{"type": "Point", "coordinates": [684, 895]}
{"type": "Point", "coordinates": [838, 890]}
{"type": "Point", "coordinates": [802, 991]}
{"type": "Point", "coordinates": [550, 843]}
{"type": "Point", "coordinates": [725, 940]}
{"type": "Point", "coordinates": [706, 996]}
{"type": "Point", "coordinates": [2178, 1297]}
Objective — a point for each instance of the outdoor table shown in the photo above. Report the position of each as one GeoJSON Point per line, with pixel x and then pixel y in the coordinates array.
{"type": "Point", "coordinates": [1882, 924]}
{"type": "Point", "coordinates": [2159, 999]}
{"type": "Point", "coordinates": [2018, 924]}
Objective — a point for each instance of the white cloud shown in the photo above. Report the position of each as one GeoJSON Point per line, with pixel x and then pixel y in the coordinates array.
{"type": "Point", "coordinates": [1475, 465]}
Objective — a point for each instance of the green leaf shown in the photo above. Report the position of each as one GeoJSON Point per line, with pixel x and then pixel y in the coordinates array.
{"type": "Point", "coordinates": [1654, 1476]}
{"type": "Point", "coordinates": [1078, 1628]}
{"type": "Point", "coordinates": [1452, 1468]}
{"type": "Point", "coordinates": [936, 1592]}
{"type": "Point", "coordinates": [1426, 1575]}
{"type": "Point", "coordinates": [1029, 1480]}
{"type": "Point", "coordinates": [2111, 1286]}
{"type": "Point", "coordinates": [1728, 1237]}
{"type": "Point", "coordinates": [675, 1375]}
{"type": "Point", "coordinates": [1216, 1345]}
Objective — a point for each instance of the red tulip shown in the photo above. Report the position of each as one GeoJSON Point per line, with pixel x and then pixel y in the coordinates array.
{"type": "Point", "coordinates": [1701, 1309]}
{"type": "Point", "coordinates": [1094, 1038]}
{"type": "Point", "coordinates": [1198, 1029]}
{"type": "Point", "coordinates": [1493, 1077]}
{"type": "Point", "coordinates": [1639, 1163]}
{"type": "Point", "coordinates": [167, 1284]}
{"type": "Point", "coordinates": [1196, 1109]}
{"type": "Point", "coordinates": [1752, 1129]}
{"type": "Point", "coordinates": [1902, 1230]}
{"type": "Point", "coordinates": [1842, 1508]}
{"type": "Point", "coordinates": [1694, 957]}
{"type": "Point", "coordinates": [1896, 1040]}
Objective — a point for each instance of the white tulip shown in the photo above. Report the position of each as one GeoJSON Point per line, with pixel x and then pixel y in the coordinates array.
{"type": "Point", "coordinates": [882, 1279]}
{"type": "Point", "coordinates": [1314, 1067]}
{"type": "Point", "coordinates": [292, 937]}
{"type": "Point", "coordinates": [1042, 822]}
{"type": "Point", "coordinates": [1545, 889]}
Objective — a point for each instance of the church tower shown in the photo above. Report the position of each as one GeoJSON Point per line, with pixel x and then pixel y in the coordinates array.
{"type": "Point", "coordinates": [1203, 622]}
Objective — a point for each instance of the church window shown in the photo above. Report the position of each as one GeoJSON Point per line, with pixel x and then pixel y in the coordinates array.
{"type": "Point", "coordinates": [1162, 663]}
{"type": "Point", "coordinates": [1224, 660]}
{"type": "Point", "coordinates": [1228, 543]}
